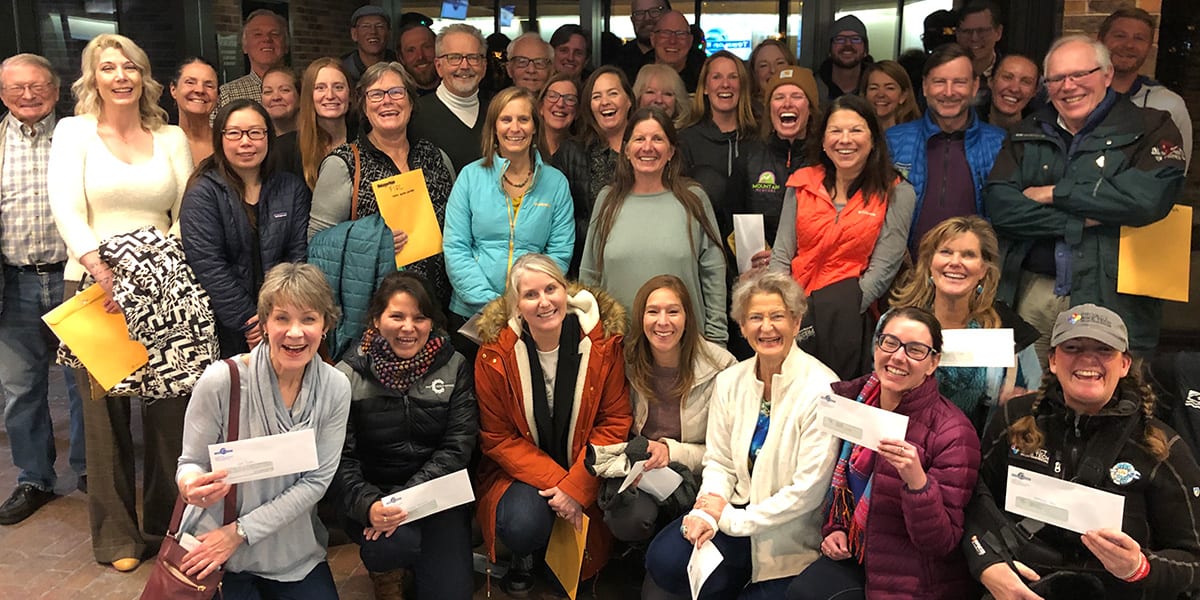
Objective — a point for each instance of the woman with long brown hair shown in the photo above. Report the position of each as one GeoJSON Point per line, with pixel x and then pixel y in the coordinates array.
{"type": "Point", "coordinates": [1092, 423]}
{"type": "Point", "coordinates": [886, 86]}
{"type": "Point", "coordinates": [652, 220]}
{"type": "Point", "coordinates": [322, 123]}
{"type": "Point", "coordinates": [843, 231]}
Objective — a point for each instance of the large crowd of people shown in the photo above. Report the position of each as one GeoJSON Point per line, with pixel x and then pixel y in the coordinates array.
{"type": "Point", "coordinates": [590, 304]}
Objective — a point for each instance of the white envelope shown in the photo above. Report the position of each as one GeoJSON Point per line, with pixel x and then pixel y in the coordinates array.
{"type": "Point", "coordinates": [433, 496]}
{"type": "Point", "coordinates": [1072, 506]}
{"type": "Point", "coordinates": [858, 423]}
{"type": "Point", "coordinates": [748, 239]}
{"type": "Point", "coordinates": [978, 348]}
{"type": "Point", "coordinates": [660, 483]}
{"type": "Point", "coordinates": [705, 559]}
{"type": "Point", "coordinates": [265, 457]}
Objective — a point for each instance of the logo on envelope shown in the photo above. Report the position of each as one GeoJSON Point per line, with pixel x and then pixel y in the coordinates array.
{"type": "Point", "coordinates": [223, 452]}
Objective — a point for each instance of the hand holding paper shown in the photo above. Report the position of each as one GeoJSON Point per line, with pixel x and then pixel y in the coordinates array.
{"type": "Point", "coordinates": [858, 423]}
{"type": "Point", "coordinates": [1053, 501]}
{"type": "Point", "coordinates": [433, 496]}
{"type": "Point", "coordinates": [705, 559]}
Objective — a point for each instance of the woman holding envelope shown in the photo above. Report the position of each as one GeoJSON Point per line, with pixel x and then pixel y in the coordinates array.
{"type": "Point", "coordinates": [413, 418]}
{"type": "Point", "coordinates": [551, 381]}
{"type": "Point", "coordinates": [239, 219]}
{"type": "Point", "coordinates": [1091, 424]}
{"type": "Point", "coordinates": [897, 510]}
{"type": "Point", "coordinates": [115, 167]}
{"type": "Point", "coordinates": [388, 104]}
{"type": "Point", "coordinates": [653, 220]}
{"type": "Point", "coordinates": [955, 277]}
{"type": "Point", "coordinates": [276, 546]}
{"type": "Point", "coordinates": [766, 467]}
{"type": "Point", "coordinates": [671, 370]}
{"type": "Point", "coordinates": [504, 205]}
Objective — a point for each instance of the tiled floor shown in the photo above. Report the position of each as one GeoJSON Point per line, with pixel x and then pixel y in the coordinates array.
{"type": "Point", "coordinates": [49, 555]}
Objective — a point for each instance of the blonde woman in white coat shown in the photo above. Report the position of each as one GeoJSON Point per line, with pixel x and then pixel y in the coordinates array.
{"type": "Point", "coordinates": [671, 370]}
{"type": "Point", "coordinates": [766, 521]}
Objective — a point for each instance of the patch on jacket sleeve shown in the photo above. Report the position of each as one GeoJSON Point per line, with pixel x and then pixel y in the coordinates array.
{"type": "Point", "coordinates": [1167, 149]}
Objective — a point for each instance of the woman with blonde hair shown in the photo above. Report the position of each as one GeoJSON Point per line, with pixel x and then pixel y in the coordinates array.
{"type": "Point", "coordinates": [114, 167]}
{"type": "Point", "coordinates": [322, 123]}
{"type": "Point", "coordinates": [661, 86]}
{"type": "Point", "coordinates": [769, 57]}
{"type": "Point", "coordinates": [955, 277]}
{"type": "Point", "coordinates": [886, 86]}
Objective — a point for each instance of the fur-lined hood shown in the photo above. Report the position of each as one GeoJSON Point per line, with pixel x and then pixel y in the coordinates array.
{"type": "Point", "coordinates": [590, 304]}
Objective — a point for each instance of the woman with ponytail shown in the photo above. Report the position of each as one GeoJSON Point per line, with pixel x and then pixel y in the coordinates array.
{"type": "Point", "coordinates": [1091, 423]}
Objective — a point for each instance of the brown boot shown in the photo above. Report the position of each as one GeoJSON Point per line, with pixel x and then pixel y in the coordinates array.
{"type": "Point", "coordinates": [389, 585]}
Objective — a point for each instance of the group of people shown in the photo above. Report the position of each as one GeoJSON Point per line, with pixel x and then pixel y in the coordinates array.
{"type": "Point", "coordinates": [577, 318]}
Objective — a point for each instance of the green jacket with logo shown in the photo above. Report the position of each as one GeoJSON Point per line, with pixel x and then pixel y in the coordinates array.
{"type": "Point", "coordinates": [1127, 171]}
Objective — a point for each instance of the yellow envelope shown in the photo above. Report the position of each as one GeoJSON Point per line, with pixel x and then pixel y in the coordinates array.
{"type": "Point", "coordinates": [405, 205]}
{"type": "Point", "coordinates": [100, 339]}
{"type": "Point", "coordinates": [1155, 260]}
{"type": "Point", "coordinates": [564, 553]}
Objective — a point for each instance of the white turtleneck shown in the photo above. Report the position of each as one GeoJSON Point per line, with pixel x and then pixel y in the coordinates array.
{"type": "Point", "coordinates": [466, 109]}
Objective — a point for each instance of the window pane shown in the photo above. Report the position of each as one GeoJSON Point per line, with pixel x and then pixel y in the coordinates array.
{"type": "Point", "coordinates": [65, 28]}
{"type": "Point", "coordinates": [739, 26]}
{"type": "Point", "coordinates": [915, 12]}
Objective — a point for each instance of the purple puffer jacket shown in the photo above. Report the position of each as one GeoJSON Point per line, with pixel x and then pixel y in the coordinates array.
{"type": "Point", "coordinates": [912, 547]}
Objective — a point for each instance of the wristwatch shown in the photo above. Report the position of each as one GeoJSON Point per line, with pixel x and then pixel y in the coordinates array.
{"type": "Point", "coordinates": [240, 530]}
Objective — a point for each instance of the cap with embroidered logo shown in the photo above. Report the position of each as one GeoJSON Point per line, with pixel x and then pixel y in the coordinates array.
{"type": "Point", "coordinates": [1092, 322]}
{"type": "Point", "coordinates": [800, 77]}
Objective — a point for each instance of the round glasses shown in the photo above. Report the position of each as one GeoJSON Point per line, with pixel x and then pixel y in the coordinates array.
{"type": "Point", "coordinates": [915, 350]}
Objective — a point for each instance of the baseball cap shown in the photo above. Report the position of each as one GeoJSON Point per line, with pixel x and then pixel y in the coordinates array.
{"type": "Point", "coordinates": [1093, 322]}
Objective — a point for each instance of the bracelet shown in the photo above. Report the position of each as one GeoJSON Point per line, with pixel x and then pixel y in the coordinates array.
{"type": "Point", "coordinates": [1140, 573]}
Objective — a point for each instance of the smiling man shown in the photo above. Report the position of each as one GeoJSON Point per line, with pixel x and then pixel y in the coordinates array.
{"type": "Point", "coordinates": [529, 62]}
{"type": "Point", "coordinates": [417, 51]}
{"type": "Point", "coordinates": [451, 117]}
{"type": "Point", "coordinates": [1067, 180]}
{"type": "Point", "coordinates": [264, 40]}
{"type": "Point", "coordinates": [265, 43]}
{"type": "Point", "coordinates": [672, 47]}
{"type": "Point", "coordinates": [848, 48]}
{"type": "Point", "coordinates": [948, 154]}
{"type": "Point", "coordinates": [1128, 34]}
{"type": "Point", "coordinates": [33, 256]}
{"type": "Point", "coordinates": [369, 28]}
{"type": "Point", "coordinates": [1014, 83]}
{"type": "Point", "coordinates": [979, 30]}
{"type": "Point", "coordinates": [639, 51]}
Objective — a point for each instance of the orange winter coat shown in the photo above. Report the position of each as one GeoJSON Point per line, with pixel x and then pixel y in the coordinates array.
{"type": "Point", "coordinates": [508, 433]}
{"type": "Point", "coordinates": [831, 247]}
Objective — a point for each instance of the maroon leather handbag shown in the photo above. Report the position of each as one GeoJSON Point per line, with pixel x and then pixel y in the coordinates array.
{"type": "Point", "coordinates": [168, 581]}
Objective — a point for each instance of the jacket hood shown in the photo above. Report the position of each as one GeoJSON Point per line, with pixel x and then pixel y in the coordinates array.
{"type": "Point", "coordinates": [593, 306]}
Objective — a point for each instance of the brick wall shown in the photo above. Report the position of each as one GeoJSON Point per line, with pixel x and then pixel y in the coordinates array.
{"type": "Point", "coordinates": [317, 27]}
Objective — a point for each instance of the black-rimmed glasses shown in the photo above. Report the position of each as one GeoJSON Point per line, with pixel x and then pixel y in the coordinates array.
{"type": "Point", "coordinates": [396, 93]}
{"type": "Point", "coordinates": [1073, 77]}
{"type": "Point", "coordinates": [522, 62]}
{"type": "Point", "coordinates": [456, 59]}
{"type": "Point", "coordinates": [915, 350]}
{"type": "Point", "coordinates": [235, 135]}
{"type": "Point", "coordinates": [652, 13]}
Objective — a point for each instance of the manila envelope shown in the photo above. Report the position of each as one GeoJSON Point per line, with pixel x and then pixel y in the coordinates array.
{"type": "Point", "coordinates": [405, 205]}
{"type": "Point", "coordinates": [100, 339]}
{"type": "Point", "coordinates": [564, 553]}
{"type": "Point", "coordinates": [1155, 260]}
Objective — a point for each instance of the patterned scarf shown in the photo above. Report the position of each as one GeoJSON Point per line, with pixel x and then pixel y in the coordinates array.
{"type": "Point", "coordinates": [849, 497]}
{"type": "Point", "coordinates": [397, 373]}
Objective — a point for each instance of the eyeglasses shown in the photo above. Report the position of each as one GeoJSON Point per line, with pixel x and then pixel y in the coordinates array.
{"type": "Point", "coordinates": [397, 93]}
{"type": "Point", "coordinates": [235, 135]}
{"type": "Point", "coordinates": [672, 33]}
{"type": "Point", "coordinates": [847, 39]}
{"type": "Point", "coordinates": [522, 62]}
{"type": "Point", "coordinates": [569, 99]}
{"type": "Point", "coordinates": [456, 59]}
{"type": "Point", "coordinates": [19, 89]}
{"type": "Point", "coordinates": [974, 32]}
{"type": "Point", "coordinates": [652, 13]}
{"type": "Point", "coordinates": [1058, 80]}
{"type": "Point", "coordinates": [915, 350]}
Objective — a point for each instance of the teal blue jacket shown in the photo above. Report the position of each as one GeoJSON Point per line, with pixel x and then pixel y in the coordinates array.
{"type": "Point", "coordinates": [355, 257]}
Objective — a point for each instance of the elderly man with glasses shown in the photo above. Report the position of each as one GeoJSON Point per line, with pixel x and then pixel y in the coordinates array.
{"type": "Point", "coordinates": [452, 117]}
{"type": "Point", "coordinates": [31, 283]}
{"type": "Point", "coordinates": [529, 61]}
{"type": "Point", "coordinates": [1066, 181]}
{"type": "Point", "coordinates": [673, 47]}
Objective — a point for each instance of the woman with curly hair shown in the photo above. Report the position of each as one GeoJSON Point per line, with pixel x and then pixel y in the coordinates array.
{"type": "Point", "coordinates": [955, 277]}
{"type": "Point", "coordinates": [1091, 423]}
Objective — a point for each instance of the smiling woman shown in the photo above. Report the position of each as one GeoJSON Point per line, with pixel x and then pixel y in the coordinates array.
{"type": "Point", "coordinates": [240, 218]}
{"type": "Point", "coordinates": [504, 205]}
{"type": "Point", "coordinates": [194, 89]}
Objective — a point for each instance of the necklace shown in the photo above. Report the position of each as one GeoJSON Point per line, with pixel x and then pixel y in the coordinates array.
{"type": "Point", "coordinates": [523, 183]}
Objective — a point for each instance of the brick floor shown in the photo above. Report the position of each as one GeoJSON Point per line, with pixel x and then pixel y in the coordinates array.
{"type": "Point", "coordinates": [49, 555]}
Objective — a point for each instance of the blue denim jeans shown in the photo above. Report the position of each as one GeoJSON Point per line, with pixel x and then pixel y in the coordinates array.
{"type": "Point", "coordinates": [437, 548]}
{"type": "Point", "coordinates": [27, 349]}
{"type": "Point", "coordinates": [317, 585]}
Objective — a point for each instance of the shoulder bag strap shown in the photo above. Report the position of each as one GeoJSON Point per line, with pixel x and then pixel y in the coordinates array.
{"type": "Point", "coordinates": [357, 181]}
{"type": "Point", "coordinates": [235, 411]}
